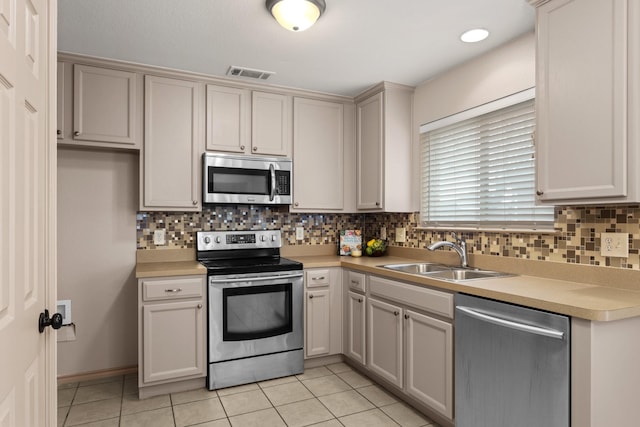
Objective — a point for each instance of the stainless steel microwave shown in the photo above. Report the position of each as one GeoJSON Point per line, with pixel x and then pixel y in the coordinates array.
{"type": "Point", "coordinates": [235, 179]}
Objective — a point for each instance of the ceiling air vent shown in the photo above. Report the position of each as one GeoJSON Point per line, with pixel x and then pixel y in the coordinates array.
{"type": "Point", "coordinates": [249, 73]}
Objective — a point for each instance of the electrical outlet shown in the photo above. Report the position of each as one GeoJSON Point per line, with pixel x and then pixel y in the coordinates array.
{"type": "Point", "coordinates": [383, 233]}
{"type": "Point", "coordinates": [401, 235]}
{"type": "Point", "coordinates": [158, 237]}
{"type": "Point", "coordinates": [614, 245]}
{"type": "Point", "coordinates": [299, 233]}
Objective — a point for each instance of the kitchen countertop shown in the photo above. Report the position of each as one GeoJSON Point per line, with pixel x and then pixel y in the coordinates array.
{"type": "Point", "coordinates": [572, 296]}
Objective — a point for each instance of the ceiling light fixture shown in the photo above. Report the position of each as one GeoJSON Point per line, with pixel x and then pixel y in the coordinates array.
{"type": "Point", "coordinates": [296, 15]}
{"type": "Point", "coordinates": [475, 35]}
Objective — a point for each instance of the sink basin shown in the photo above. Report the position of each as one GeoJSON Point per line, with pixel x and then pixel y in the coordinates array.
{"type": "Point", "coordinates": [417, 268]}
{"type": "Point", "coordinates": [463, 274]}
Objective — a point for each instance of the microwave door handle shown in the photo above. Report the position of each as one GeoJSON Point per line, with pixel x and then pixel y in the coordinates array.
{"type": "Point", "coordinates": [272, 172]}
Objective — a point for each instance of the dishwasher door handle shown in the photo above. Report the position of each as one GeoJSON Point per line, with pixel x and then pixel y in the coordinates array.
{"type": "Point", "coordinates": [551, 333]}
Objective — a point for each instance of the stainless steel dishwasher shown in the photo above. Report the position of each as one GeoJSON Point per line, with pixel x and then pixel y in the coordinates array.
{"type": "Point", "coordinates": [512, 365]}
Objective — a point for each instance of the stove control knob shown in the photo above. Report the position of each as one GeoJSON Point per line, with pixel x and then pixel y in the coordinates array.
{"type": "Point", "coordinates": [263, 238]}
{"type": "Point", "coordinates": [207, 240]}
{"type": "Point", "coordinates": [218, 239]}
{"type": "Point", "coordinates": [274, 238]}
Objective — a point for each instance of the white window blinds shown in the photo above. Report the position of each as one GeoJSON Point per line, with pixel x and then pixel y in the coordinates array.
{"type": "Point", "coordinates": [480, 172]}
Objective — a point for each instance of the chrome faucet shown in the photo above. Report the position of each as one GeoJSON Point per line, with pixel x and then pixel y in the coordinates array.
{"type": "Point", "coordinates": [460, 247]}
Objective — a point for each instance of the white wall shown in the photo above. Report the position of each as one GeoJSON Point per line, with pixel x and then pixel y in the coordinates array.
{"type": "Point", "coordinates": [97, 204]}
{"type": "Point", "coordinates": [503, 71]}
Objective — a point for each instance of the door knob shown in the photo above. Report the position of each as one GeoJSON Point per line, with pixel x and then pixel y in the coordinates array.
{"type": "Point", "coordinates": [43, 321]}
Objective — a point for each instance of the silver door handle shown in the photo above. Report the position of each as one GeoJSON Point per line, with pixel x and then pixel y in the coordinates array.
{"type": "Point", "coordinates": [173, 290]}
{"type": "Point", "coordinates": [318, 278]}
{"type": "Point", "coordinates": [272, 172]}
{"type": "Point", "coordinates": [255, 278]}
{"type": "Point", "coordinates": [551, 333]}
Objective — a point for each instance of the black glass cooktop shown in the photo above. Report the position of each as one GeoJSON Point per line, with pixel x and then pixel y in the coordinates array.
{"type": "Point", "coordinates": [249, 265]}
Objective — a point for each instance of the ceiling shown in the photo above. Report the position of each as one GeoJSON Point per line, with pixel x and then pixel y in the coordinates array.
{"type": "Point", "coordinates": [354, 45]}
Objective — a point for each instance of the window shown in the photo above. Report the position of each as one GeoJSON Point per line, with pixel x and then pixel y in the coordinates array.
{"type": "Point", "coordinates": [478, 169]}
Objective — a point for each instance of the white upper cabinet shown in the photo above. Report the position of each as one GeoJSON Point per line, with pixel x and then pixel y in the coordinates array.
{"type": "Point", "coordinates": [106, 106]}
{"type": "Point", "coordinates": [318, 153]}
{"type": "Point", "coordinates": [228, 119]}
{"type": "Point", "coordinates": [271, 126]}
{"type": "Point", "coordinates": [248, 122]}
{"type": "Point", "coordinates": [383, 151]}
{"type": "Point", "coordinates": [173, 144]}
{"type": "Point", "coordinates": [587, 101]}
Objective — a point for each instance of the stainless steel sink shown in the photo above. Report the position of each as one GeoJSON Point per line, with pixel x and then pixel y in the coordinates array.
{"type": "Point", "coordinates": [417, 268]}
{"type": "Point", "coordinates": [464, 274]}
{"type": "Point", "coordinates": [443, 272]}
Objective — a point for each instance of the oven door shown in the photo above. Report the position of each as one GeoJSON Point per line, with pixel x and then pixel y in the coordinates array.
{"type": "Point", "coordinates": [254, 314]}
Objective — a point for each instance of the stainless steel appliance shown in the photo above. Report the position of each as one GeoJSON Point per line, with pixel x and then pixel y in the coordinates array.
{"type": "Point", "coordinates": [234, 179]}
{"type": "Point", "coordinates": [255, 303]}
{"type": "Point", "coordinates": [512, 365]}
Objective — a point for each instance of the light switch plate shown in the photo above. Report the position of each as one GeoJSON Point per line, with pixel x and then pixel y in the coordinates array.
{"type": "Point", "coordinates": [299, 233]}
{"type": "Point", "coordinates": [158, 237]}
{"type": "Point", "coordinates": [383, 233]}
{"type": "Point", "coordinates": [614, 245]}
{"type": "Point", "coordinates": [401, 235]}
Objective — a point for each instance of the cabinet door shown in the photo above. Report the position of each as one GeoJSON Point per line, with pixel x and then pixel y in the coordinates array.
{"type": "Point", "coordinates": [104, 105]}
{"type": "Point", "coordinates": [429, 373]}
{"type": "Point", "coordinates": [318, 149]}
{"type": "Point", "coordinates": [317, 309]}
{"type": "Point", "coordinates": [581, 100]}
{"type": "Point", "coordinates": [356, 322]}
{"type": "Point", "coordinates": [172, 144]}
{"type": "Point", "coordinates": [384, 340]}
{"type": "Point", "coordinates": [370, 133]}
{"type": "Point", "coordinates": [228, 122]}
{"type": "Point", "coordinates": [166, 328]}
{"type": "Point", "coordinates": [271, 124]}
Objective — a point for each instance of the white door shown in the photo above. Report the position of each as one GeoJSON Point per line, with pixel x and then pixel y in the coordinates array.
{"type": "Point", "coordinates": [27, 211]}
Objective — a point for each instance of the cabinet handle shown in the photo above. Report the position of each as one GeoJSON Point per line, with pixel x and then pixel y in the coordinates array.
{"type": "Point", "coordinates": [318, 278]}
{"type": "Point", "coordinates": [355, 282]}
{"type": "Point", "coordinates": [395, 313]}
{"type": "Point", "coordinates": [377, 203]}
{"type": "Point", "coordinates": [359, 299]}
{"type": "Point", "coordinates": [173, 290]}
{"type": "Point", "coordinates": [255, 148]}
{"type": "Point", "coordinates": [406, 316]}
{"type": "Point", "coordinates": [296, 204]}
{"type": "Point", "coordinates": [242, 147]}
{"type": "Point", "coordinates": [310, 296]}
{"type": "Point", "coordinates": [195, 202]}
{"type": "Point", "coordinates": [76, 133]}
{"type": "Point", "coordinates": [539, 193]}
{"type": "Point", "coordinates": [58, 132]}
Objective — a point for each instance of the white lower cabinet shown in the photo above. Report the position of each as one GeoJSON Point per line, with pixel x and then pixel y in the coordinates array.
{"type": "Point", "coordinates": [384, 339]}
{"type": "Point", "coordinates": [429, 361]}
{"type": "Point", "coordinates": [409, 337]}
{"type": "Point", "coordinates": [323, 312]}
{"type": "Point", "coordinates": [355, 328]}
{"type": "Point", "coordinates": [172, 332]}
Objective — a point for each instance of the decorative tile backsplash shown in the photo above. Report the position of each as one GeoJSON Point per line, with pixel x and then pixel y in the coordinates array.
{"type": "Point", "coordinates": [576, 240]}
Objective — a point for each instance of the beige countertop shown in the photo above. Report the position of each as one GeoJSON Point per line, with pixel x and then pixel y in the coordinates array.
{"type": "Point", "coordinates": [593, 293]}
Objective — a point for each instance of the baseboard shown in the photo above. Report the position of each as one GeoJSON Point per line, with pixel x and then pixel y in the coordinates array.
{"type": "Point", "coordinates": [96, 375]}
{"type": "Point", "coordinates": [322, 360]}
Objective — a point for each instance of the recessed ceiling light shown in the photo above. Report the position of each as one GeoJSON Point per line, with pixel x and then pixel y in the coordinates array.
{"type": "Point", "coordinates": [475, 35]}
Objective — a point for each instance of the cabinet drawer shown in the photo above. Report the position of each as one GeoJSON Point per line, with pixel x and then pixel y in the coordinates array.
{"type": "Point", "coordinates": [316, 278]}
{"type": "Point", "coordinates": [356, 281]}
{"type": "Point", "coordinates": [437, 302]}
{"type": "Point", "coordinates": [163, 289]}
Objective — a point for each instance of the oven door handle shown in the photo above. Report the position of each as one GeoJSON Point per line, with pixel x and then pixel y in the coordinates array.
{"type": "Point", "coordinates": [255, 278]}
{"type": "Point", "coordinates": [272, 173]}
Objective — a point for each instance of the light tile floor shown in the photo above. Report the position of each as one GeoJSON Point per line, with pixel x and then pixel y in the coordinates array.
{"type": "Point", "coordinates": [331, 395]}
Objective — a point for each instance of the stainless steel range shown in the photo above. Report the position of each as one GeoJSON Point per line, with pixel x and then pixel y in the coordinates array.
{"type": "Point", "coordinates": [255, 301]}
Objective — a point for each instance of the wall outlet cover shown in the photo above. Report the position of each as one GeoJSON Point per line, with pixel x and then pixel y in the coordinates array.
{"type": "Point", "coordinates": [401, 235]}
{"type": "Point", "coordinates": [159, 237]}
{"type": "Point", "coordinates": [614, 245]}
{"type": "Point", "coordinates": [299, 233]}
{"type": "Point", "coordinates": [383, 233]}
